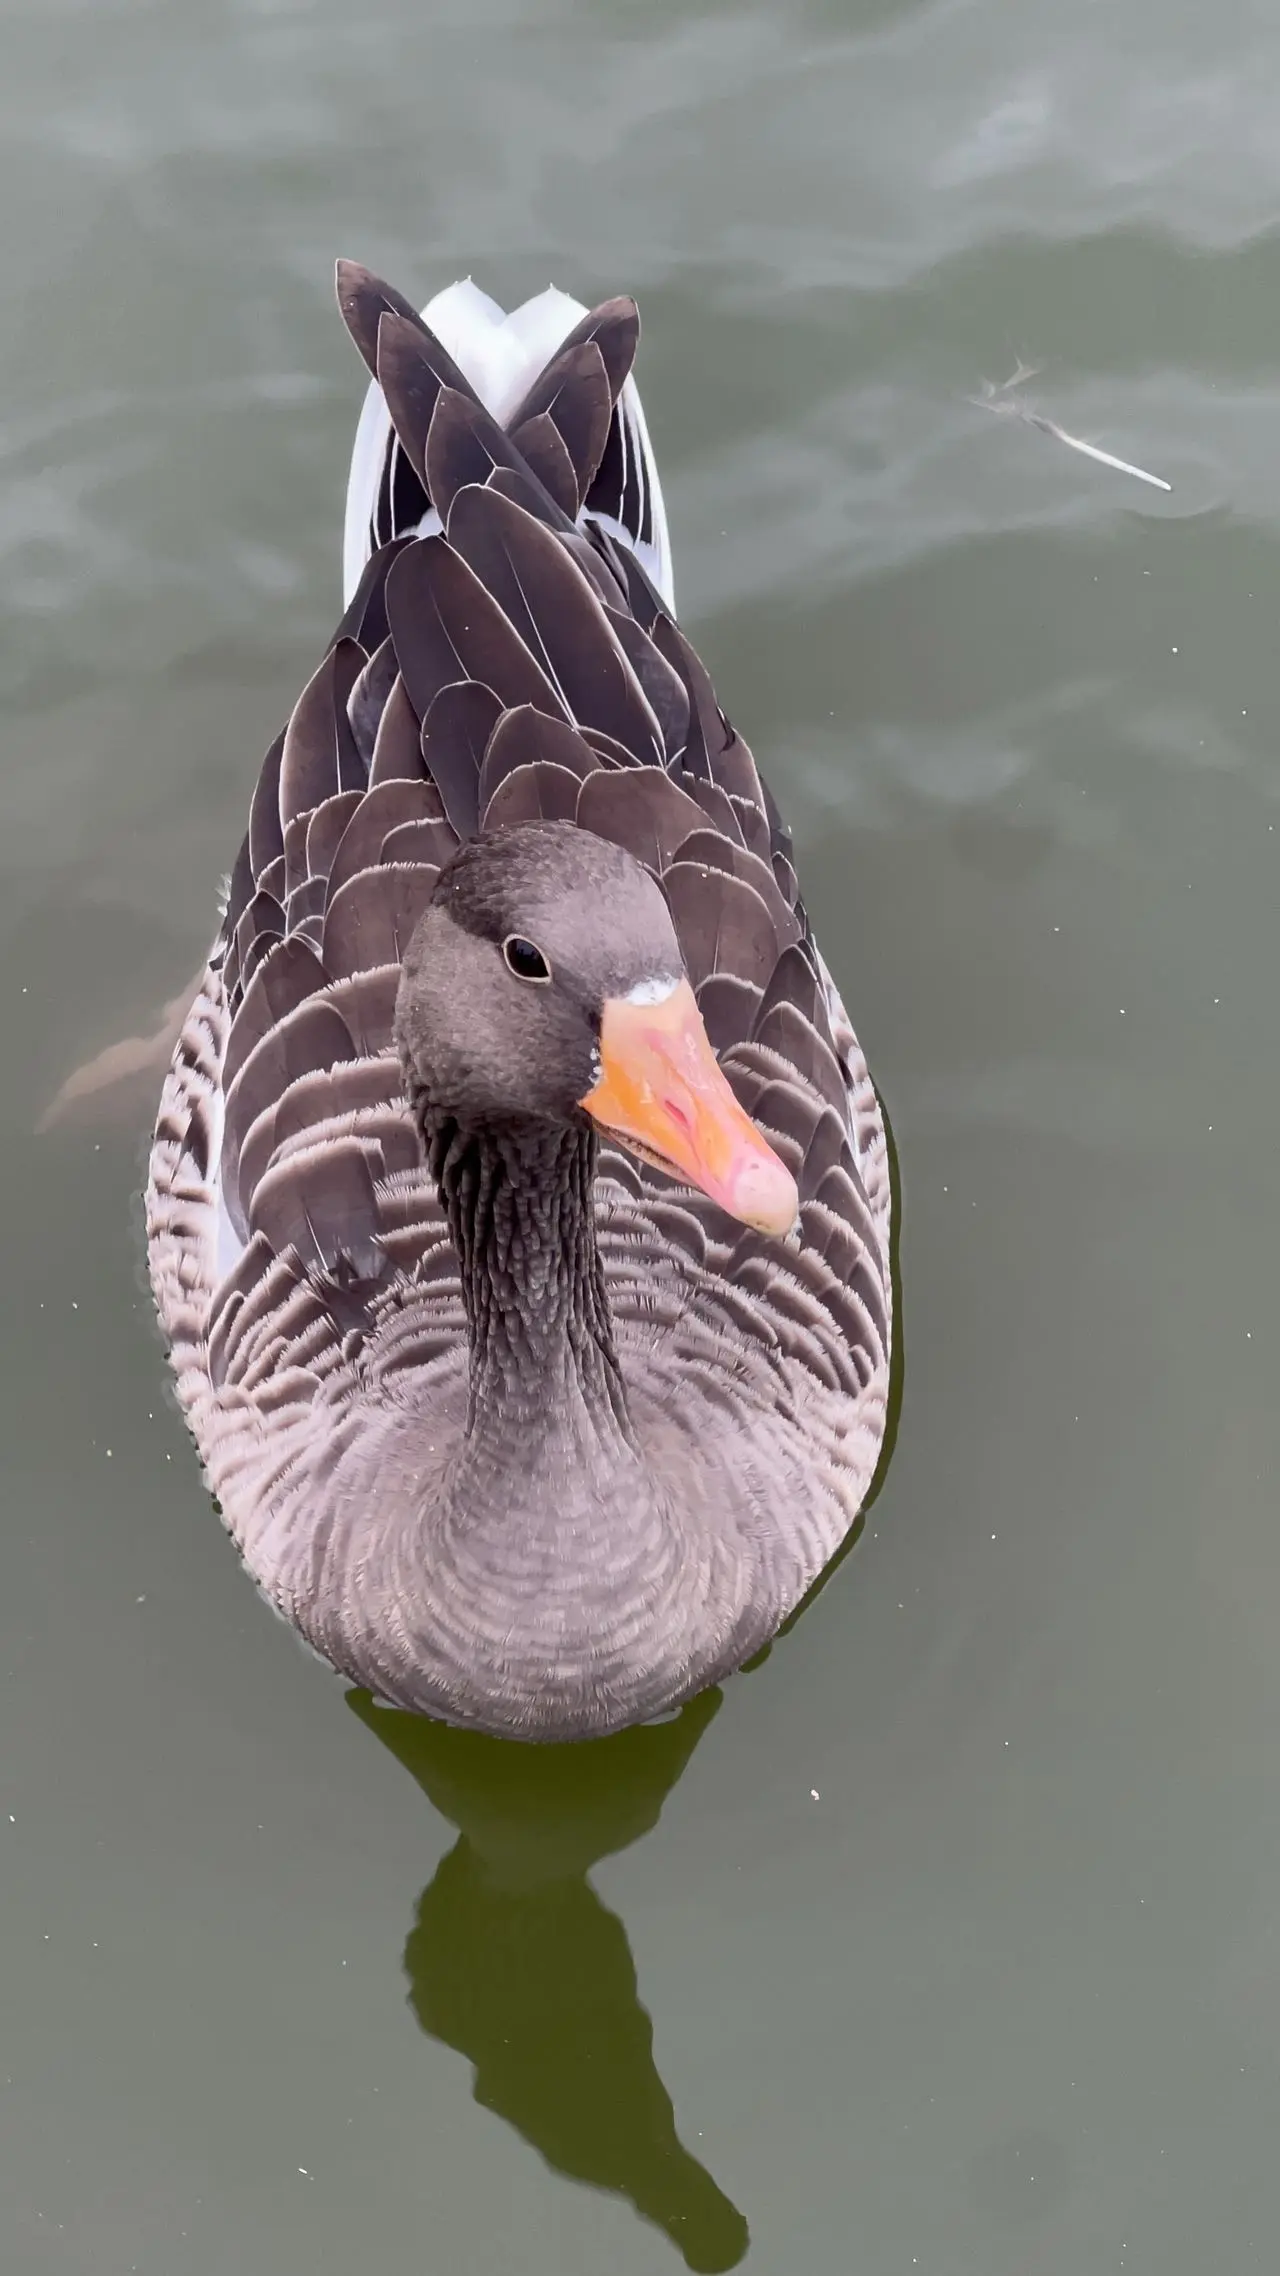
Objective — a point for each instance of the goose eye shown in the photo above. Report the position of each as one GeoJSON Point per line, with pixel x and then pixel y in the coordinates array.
{"type": "Point", "coordinates": [526, 961]}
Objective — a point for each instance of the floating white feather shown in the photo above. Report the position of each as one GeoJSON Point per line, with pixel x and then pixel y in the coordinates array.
{"type": "Point", "coordinates": [1001, 399]}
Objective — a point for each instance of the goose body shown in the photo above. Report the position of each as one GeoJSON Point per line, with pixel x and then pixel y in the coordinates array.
{"type": "Point", "coordinates": [514, 1425]}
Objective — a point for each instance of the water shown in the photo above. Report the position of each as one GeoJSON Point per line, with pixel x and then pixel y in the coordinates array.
{"type": "Point", "coordinates": [957, 1929]}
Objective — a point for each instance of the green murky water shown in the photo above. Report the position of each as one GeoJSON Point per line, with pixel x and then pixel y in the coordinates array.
{"type": "Point", "coordinates": [946, 1941]}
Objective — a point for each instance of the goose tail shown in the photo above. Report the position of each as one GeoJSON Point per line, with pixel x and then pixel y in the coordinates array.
{"type": "Point", "coordinates": [553, 374]}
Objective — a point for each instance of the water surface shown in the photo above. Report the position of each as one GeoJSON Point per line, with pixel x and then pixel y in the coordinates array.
{"type": "Point", "coordinates": [947, 1940]}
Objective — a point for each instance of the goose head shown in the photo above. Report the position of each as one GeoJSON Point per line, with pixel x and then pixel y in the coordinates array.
{"type": "Point", "coordinates": [545, 985]}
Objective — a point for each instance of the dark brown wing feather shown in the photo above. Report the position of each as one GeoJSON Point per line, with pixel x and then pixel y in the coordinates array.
{"type": "Point", "coordinates": [366, 617]}
{"type": "Point", "coordinates": [614, 330]}
{"type": "Point", "coordinates": [546, 600]}
{"type": "Point", "coordinates": [542, 448]}
{"type": "Point", "coordinates": [397, 749]}
{"type": "Point", "coordinates": [413, 371]}
{"type": "Point", "coordinates": [574, 393]}
{"type": "Point", "coordinates": [456, 732]}
{"type": "Point", "coordinates": [447, 628]}
{"type": "Point", "coordinates": [364, 300]}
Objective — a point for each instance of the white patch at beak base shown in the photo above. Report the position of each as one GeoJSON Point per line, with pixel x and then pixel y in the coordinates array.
{"type": "Point", "coordinates": [655, 990]}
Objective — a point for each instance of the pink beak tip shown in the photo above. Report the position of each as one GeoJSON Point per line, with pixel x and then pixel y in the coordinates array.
{"type": "Point", "coordinates": [765, 1195]}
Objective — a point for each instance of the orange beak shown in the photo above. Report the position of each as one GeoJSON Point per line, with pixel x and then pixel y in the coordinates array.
{"type": "Point", "coordinates": [662, 1094]}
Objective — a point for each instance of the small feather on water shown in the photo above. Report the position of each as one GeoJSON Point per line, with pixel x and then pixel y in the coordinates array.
{"type": "Point", "coordinates": [1003, 400]}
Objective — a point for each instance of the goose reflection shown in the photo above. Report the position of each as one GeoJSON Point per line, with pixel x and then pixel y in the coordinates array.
{"type": "Point", "coordinates": [514, 1961]}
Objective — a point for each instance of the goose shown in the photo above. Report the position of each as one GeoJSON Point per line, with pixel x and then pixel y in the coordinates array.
{"type": "Point", "coordinates": [518, 1208]}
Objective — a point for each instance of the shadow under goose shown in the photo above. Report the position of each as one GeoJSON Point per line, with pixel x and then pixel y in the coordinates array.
{"type": "Point", "coordinates": [514, 1961]}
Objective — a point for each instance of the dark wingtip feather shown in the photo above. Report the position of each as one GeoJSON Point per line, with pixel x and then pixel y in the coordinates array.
{"type": "Point", "coordinates": [613, 329]}
{"type": "Point", "coordinates": [574, 393]}
{"type": "Point", "coordinates": [363, 299]}
{"type": "Point", "coordinates": [410, 386]}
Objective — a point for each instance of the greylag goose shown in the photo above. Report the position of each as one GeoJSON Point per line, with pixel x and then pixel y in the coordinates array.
{"type": "Point", "coordinates": [518, 1207]}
